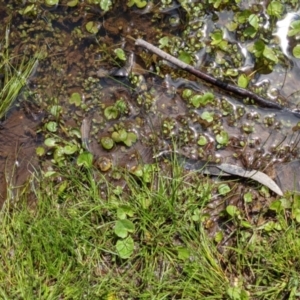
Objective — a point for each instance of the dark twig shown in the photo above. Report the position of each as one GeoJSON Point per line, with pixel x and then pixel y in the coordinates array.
{"type": "Point", "coordinates": [217, 82]}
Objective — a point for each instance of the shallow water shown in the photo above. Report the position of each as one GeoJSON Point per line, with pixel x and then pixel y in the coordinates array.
{"type": "Point", "coordinates": [77, 61]}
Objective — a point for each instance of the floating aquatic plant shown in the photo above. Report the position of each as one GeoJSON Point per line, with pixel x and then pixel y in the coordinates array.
{"type": "Point", "coordinates": [111, 112]}
{"type": "Point", "coordinates": [75, 99]}
{"type": "Point", "coordinates": [107, 143]}
{"type": "Point", "coordinates": [128, 138]}
{"type": "Point", "coordinates": [138, 3]}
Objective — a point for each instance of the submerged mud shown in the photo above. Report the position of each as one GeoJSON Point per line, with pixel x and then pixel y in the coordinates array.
{"type": "Point", "coordinates": [18, 160]}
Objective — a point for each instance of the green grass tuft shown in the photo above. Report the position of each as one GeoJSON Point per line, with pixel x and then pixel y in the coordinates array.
{"type": "Point", "coordinates": [65, 246]}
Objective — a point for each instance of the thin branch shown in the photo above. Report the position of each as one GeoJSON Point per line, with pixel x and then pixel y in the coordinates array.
{"type": "Point", "coordinates": [217, 82]}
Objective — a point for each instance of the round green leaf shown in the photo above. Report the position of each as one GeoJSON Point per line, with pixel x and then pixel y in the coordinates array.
{"type": "Point", "coordinates": [258, 48]}
{"type": "Point", "coordinates": [285, 203]}
{"type": "Point", "coordinates": [269, 226]}
{"type": "Point", "coordinates": [164, 42]}
{"type": "Point", "coordinates": [250, 32]}
{"type": "Point", "coordinates": [119, 136]}
{"type": "Point", "coordinates": [202, 140]}
{"type": "Point", "coordinates": [185, 57]}
{"type": "Point", "coordinates": [85, 159]}
{"type": "Point", "coordinates": [120, 53]}
{"type": "Point", "coordinates": [187, 93]}
{"type": "Point", "coordinates": [218, 237]}
{"type": "Point", "coordinates": [123, 211]}
{"type": "Point", "coordinates": [111, 112]}
{"type": "Point", "coordinates": [253, 21]}
{"type": "Point", "coordinates": [275, 205]}
{"type": "Point", "coordinates": [231, 26]}
{"type": "Point", "coordinates": [107, 143]}
{"type": "Point", "coordinates": [183, 253]}
{"type": "Point", "coordinates": [49, 174]}
{"type": "Point", "coordinates": [207, 116]}
{"type": "Point", "coordinates": [148, 170]}
{"type": "Point", "coordinates": [51, 2]}
{"type": "Point", "coordinates": [58, 155]}
{"type": "Point", "coordinates": [123, 227]}
{"type": "Point", "coordinates": [122, 135]}
{"type": "Point", "coordinates": [223, 45]}
{"type": "Point", "coordinates": [40, 151]}
{"type": "Point", "coordinates": [137, 171]}
{"type": "Point", "coordinates": [75, 99]}
{"type": "Point", "coordinates": [232, 210]}
{"type": "Point", "coordinates": [105, 4]}
{"type": "Point", "coordinates": [243, 16]}
{"type": "Point", "coordinates": [207, 97]}
{"type": "Point", "coordinates": [232, 72]}
{"type": "Point", "coordinates": [217, 37]}
{"type": "Point", "coordinates": [243, 81]}
{"type": "Point", "coordinates": [125, 247]}
{"type": "Point", "coordinates": [50, 142]}
{"type": "Point", "coordinates": [131, 139]}
{"type": "Point", "coordinates": [196, 100]}
{"type": "Point", "coordinates": [28, 9]}
{"type": "Point", "coordinates": [223, 189]}
{"type": "Point", "coordinates": [51, 126]}
{"type": "Point", "coordinates": [121, 106]}
{"type": "Point", "coordinates": [248, 197]}
{"type": "Point", "coordinates": [270, 54]}
{"type": "Point", "coordinates": [296, 51]}
{"type": "Point", "coordinates": [138, 3]}
{"type": "Point", "coordinates": [275, 8]}
{"type": "Point", "coordinates": [234, 293]}
{"type": "Point", "coordinates": [222, 138]}
{"type": "Point", "coordinates": [294, 28]}
{"type": "Point", "coordinates": [70, 149]}
{"type": "Point", "coordinates": [72, 3]}
{"type": "Point", "coordinates": [121, 231]}
{"type": "Point", "coordinates": [55, 110]}
{"type": "Point", "coordinates": [92, 27]}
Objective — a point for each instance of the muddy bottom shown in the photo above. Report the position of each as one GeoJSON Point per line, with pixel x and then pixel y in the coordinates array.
{"type": "Point", "coordinates": [18, 158]}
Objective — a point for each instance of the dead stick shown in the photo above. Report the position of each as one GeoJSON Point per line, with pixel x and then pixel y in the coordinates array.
{"type": "Point", "coordinates": [217, 82]}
